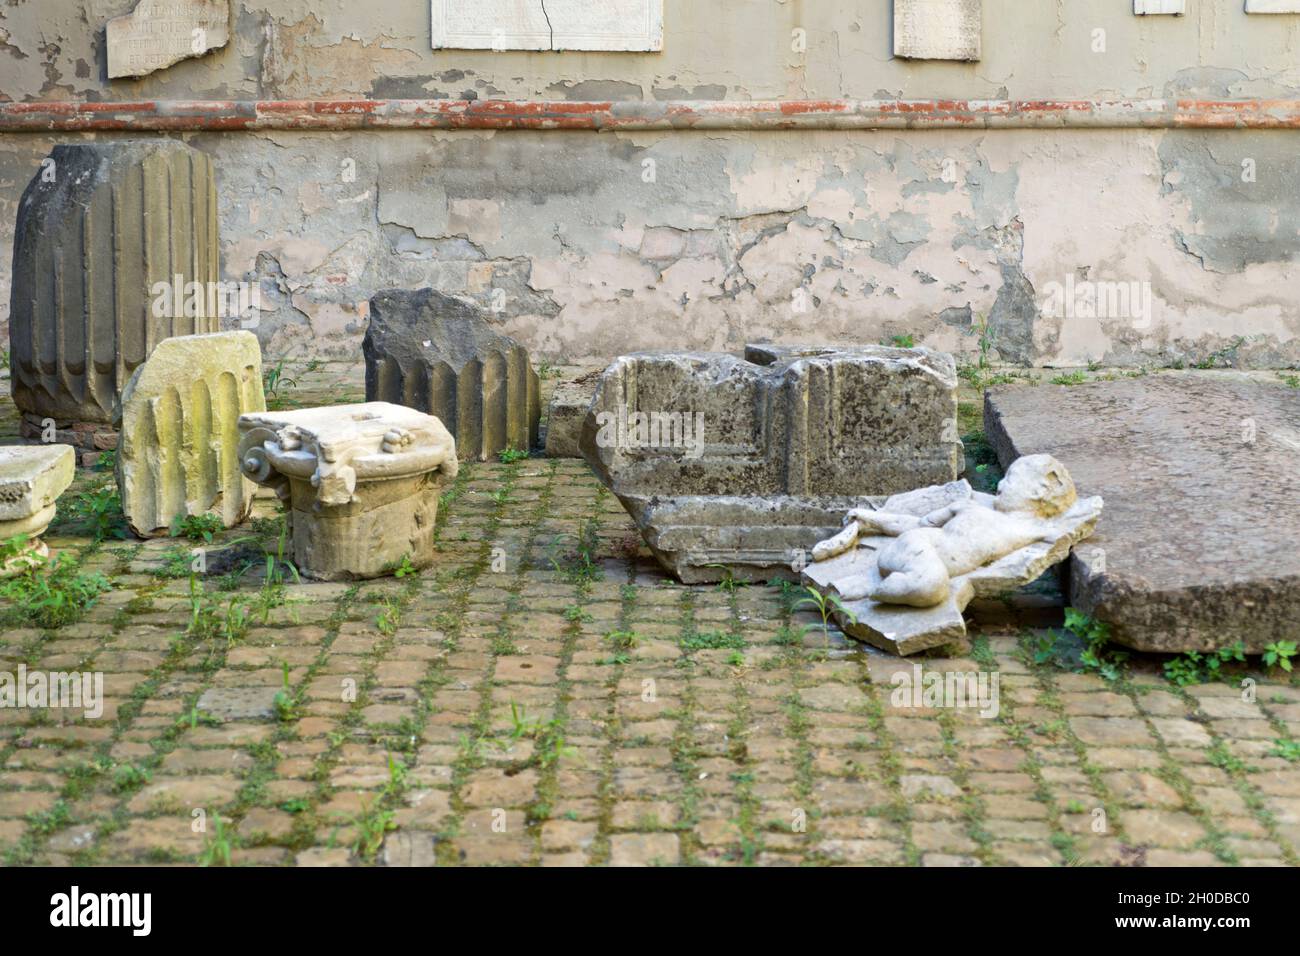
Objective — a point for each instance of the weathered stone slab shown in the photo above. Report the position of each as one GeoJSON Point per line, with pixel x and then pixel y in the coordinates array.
{"type": "Point", "coordinates": [98, 227]}
{"type": "Point", "coordinates": [568, 410]}
{"type": "Point", "coordinates": [31, 479]}
{"type": "Point", "coordinates": [938, 29]}
{"type": "Point", "coordinates": [1201, 476]}
{"type": "Point", "coordinates": [362, 482]}
{"type": "Point", "coordinates": [709, 450]}
{"type": "Point", "coordinates": [158, 33]}
{"type": "Point", "coordinates": [179, 449]}
{"type": "Point", "coordinates": [907, 625]}
{"type": "Point", "coordinates": [437, 354]}
{"type": "Point", "coordinates": [610, 25]}
{"type": "Point", "coordinates": [702, 538]}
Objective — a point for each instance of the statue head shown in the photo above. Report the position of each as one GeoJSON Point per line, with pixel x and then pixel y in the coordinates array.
{"type": "Point", "coordinates": [1038, 484]}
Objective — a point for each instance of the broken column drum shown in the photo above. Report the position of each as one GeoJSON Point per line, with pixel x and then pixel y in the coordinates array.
{"type": "Point", "coordinates": [362, 483]}
{"type": "Point", "coordinates": [437, 354]}
{"type": "Point", "coordinates": [98, 228]}
{"type": "Point", "coordinates": [177, 455]}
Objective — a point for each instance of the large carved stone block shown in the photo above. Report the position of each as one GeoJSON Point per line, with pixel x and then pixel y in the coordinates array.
{"type": "Point", "coordinates": [736, 466]}
{"type": "Point", "coordinates": [437, 354]}
{"type": "Point", "coordinates": [362, 482]}
{"type": "Point", "coordinates": [98, 227]}
{"type": "Point", "coordinates": [31, 479]}
{"type": "Point", "coordinates": [179, 449]}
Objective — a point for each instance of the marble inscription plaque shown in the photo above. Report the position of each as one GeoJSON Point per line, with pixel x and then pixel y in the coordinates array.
{"type": "Point", "coordinates": [1143, 8]}
{"type": "Point", "coordinates": [158, 33]}
{"type": "Point", "coordinates": [937, 29]}
{"type": "Point", "coordinates": [633, 25]}
{"type": "Point", "coordinates": [1273, 6]}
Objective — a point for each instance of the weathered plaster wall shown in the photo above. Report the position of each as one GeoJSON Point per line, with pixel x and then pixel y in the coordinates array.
{"type": "Point", "coordinates": [740, 235]}
{"type": "Point", "coordinates": [713, 49]}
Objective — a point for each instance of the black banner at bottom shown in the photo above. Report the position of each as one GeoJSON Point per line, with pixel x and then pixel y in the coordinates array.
{"type": "Point", "coordinates": [185, 905]}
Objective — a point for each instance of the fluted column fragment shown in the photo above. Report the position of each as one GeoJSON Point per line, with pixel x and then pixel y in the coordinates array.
{"type": "Point", "coordinates": [109, 240]}
{"type": "Point", "coordinates": [179, 448]}
{"type": "Point", "coordinates": [437, 354]}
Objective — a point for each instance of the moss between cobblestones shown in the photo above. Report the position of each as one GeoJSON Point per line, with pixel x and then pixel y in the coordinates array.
{"type": "Point", "coordinates": [722, 733]}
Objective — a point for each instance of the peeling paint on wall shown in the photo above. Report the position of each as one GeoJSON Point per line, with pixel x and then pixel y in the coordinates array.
{"type": "Point", "coordinates": [586, 244]}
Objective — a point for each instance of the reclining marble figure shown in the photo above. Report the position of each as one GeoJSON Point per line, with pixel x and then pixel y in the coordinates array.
{"type": "Point", "coordinates": [909, 568]}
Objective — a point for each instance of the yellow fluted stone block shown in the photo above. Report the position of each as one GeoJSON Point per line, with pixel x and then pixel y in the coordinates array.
{"type": "Point", "coordinates": [178, 451]}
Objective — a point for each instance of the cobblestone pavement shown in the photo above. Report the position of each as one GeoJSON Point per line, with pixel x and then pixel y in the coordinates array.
{"type": "Point", "coordinates": [544, 695]}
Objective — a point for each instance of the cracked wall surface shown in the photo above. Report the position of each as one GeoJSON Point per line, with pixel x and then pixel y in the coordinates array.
{"type": "Point", "coordinates": [713, 49]}
{"type": "Point", "coordinates": [588, 244]}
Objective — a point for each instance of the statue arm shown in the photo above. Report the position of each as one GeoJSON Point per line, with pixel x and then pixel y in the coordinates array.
{"type": "Point", "coordinates": [882, 522]}
{"type": "Point", "coordinates": [940, 517]}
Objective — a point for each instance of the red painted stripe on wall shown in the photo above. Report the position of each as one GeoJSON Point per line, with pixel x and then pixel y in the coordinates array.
{"type": "Point", "coordinates": [219, 115]}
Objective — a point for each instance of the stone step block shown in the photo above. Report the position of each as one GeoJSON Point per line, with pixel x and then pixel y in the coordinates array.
{"type": "Point", "coordinates": [567, 412]}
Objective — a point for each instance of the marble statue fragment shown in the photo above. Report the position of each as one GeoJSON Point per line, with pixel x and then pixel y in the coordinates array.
{"type": "Point", "coordinates": [905, 571]}
{"type": "Point", "coordinates": [362, 482]}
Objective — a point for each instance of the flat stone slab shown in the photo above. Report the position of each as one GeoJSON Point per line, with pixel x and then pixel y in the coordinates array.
{"type": "Point", "coordinates": [938, 29]}
{"type": "Point", "coordinates": [610, 25]}
{"type": "Point", "coordinates": [747, 538]}
{"type": "Point", "coordinates": [32, 477]}
{"type": "Point", "coordinates": [1201, 476]}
